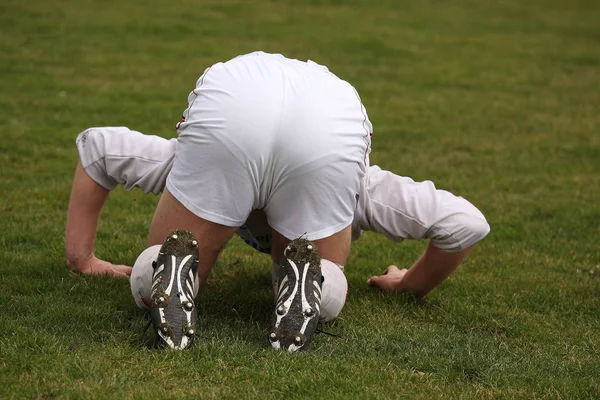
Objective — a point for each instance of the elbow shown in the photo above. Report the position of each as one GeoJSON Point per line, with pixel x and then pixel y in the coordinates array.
{"type": "Point", "coordinates": [476, 228]}
{"type": "Point", "coordinates": [82, 137]}
{"type": "Point", "coordinates": [458, 232]}
{"type": "Point", "coordinates": [92, 142]}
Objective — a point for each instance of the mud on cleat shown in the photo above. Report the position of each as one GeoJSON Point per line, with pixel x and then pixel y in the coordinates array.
{"type": "Point", "coordinates": [298, 302]}
{"type": "Point", "coordinates": [172, 307]}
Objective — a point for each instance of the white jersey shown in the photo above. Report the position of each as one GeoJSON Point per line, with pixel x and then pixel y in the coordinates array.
{"type": "Point", "coordinates": [395, 206]}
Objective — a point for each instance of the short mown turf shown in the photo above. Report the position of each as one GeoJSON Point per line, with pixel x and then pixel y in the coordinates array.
{"type": "Point", "coordinates": [498, 101]}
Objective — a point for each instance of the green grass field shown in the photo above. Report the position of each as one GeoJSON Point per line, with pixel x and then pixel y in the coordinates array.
{"type": "Point", "coordinates": [496, 101]}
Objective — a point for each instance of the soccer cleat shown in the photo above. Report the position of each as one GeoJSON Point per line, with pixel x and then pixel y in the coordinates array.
{"type": "Point", "coordinates": [172, 307]}
{"type": "Point", "coordinates": [298, 303]}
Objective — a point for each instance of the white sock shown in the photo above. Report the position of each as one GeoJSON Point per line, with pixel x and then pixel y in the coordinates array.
{"type": "Point", "coordinates": [333, 291]}
{"type": "Point", "coordinates": [141, 277]}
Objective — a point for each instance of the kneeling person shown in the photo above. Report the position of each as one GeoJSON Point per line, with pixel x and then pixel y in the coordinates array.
{"type": "Point", "coordinates": [392, 205]}
{"type": "Point", "coordinates": [261, 131]}
{"type": "Point", "coordinates": [389, 204]}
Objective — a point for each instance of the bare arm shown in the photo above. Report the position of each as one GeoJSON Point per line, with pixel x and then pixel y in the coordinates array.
{"type": "Point", "coordinates": [400, 208]}
{"type": "Point", "coordinates": [110, 156]}
{"type": "Point", "coordinates": [85, 206]}
{"type": "Point", "coordinates": [431, 269]}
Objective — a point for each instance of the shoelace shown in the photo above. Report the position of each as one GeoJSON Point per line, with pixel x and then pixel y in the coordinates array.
{"type": "Point", "coordinates": [320, 330]}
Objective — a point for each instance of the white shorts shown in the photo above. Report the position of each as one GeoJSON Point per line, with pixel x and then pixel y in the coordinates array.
{"type": "Point", "coordinates": [265, 132]}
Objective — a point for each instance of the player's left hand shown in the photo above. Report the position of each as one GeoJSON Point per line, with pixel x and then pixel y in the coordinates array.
{"type": "Point", "coordinates": [390, 280]}
{"type": "Point", "coordinates": [95, 266]}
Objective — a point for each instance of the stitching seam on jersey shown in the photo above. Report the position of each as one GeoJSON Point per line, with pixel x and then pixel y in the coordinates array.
{"type": "Point", "coordinates": [427, 229]}
{"type": "Point", "coordinates": [119, 157]}
{"type": "Point", "coordinates": [364, 123]}
{"type": "Point", "coordinates": [198, 87]}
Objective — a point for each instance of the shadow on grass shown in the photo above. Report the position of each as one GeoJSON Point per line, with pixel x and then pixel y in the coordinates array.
{"type": "Point", "coordinates": [235, 304]}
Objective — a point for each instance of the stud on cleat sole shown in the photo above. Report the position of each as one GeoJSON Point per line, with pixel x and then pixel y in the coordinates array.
{"type": "Point", "coordinates": [160, 300]}
{"type": "Point", "coordinates": [188, 306]}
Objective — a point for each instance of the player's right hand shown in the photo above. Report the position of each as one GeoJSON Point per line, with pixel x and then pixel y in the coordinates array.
{"type": "Point", "coordinates": [96, 266]}
{"type": "Point", "coordinates": [390, 280]}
